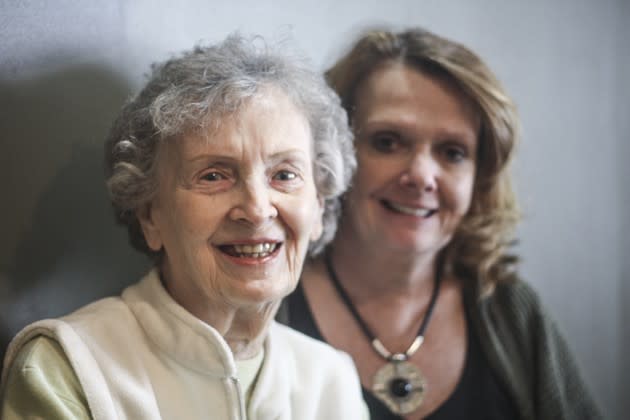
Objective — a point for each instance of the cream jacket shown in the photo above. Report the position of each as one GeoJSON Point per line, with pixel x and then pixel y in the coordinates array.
{"type": "Point", "coordinates": [142, 356]}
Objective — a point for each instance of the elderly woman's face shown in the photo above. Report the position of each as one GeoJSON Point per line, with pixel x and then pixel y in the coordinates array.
{"type": "Point", "coordinates": [237, 206]}
{"type": "Point", "coordinates": [416, 140]}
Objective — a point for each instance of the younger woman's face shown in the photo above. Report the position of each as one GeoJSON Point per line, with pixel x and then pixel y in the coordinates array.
{"type": "Point", "coordinates": [416, 141]}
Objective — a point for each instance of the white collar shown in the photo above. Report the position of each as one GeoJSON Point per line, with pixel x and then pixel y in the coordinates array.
{"type": "Point", "coordinates": [175, 331]}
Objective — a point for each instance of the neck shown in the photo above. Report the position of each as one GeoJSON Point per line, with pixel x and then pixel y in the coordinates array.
{"type": "Point", "coordinates": [389, 274]}
{"type": "Point", "coordinates": [246, 330]}
{"type": "Point", "coordinates": [244, 327]}
{"type": "Point", "coordinates": [387, 303]}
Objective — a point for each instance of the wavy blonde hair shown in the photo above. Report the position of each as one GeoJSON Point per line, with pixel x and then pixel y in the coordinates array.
{"type": "Point", "coordinates": [478, 249]}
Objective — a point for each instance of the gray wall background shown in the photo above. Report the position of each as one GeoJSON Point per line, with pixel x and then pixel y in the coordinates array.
{"type": "Point", "coordinates": [67, 66]}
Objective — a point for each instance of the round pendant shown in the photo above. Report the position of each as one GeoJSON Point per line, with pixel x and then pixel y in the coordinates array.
{"type": "Point", "coordinates": [400, 385]}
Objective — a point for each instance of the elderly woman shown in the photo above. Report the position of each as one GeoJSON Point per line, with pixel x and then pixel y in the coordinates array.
{"type": "Point", "coordinates": [418, 284]}
{"type": "Point", "coordinates": [221, 168]}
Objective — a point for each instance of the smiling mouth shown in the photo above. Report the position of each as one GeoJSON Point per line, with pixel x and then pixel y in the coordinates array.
{"type": "Point", "coordinates": [412, 211]}
{"type": "Point", "coordinates": [260, 250]}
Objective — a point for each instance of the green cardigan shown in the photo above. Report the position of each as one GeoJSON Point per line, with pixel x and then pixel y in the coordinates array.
{"type": "Point", "coordinates": [528, 353]}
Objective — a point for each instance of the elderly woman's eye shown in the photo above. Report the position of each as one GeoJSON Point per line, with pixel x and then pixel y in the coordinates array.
{"type": "Point", "coordinates": [213, 176]}
{"type": "Point", "coordinates": [284, 175]}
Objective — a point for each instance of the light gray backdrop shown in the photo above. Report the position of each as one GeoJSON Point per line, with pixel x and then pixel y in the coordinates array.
{"type": "Point", "coordinates": [67, 66]}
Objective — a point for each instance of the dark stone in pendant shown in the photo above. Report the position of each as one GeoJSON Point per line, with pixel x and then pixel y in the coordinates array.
{"type": "Point", "coordinates": [400, 387]}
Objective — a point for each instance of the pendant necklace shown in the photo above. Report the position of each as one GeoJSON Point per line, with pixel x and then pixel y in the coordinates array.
{"type": "Point", "coordinates": [399, 384]}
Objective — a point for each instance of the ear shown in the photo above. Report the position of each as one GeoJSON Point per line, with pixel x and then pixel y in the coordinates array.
{"type": "Point", "coordinates": [318, 227]}
{"type": "Point", "coordinates": [150, 229]}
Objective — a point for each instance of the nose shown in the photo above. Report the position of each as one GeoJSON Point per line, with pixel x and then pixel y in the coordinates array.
{"type": "Point", "coordinates": [254, 204]}
{"type": "Point", "coordinates": [421, 172]}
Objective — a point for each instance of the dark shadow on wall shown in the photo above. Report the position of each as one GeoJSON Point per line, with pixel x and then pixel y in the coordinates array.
{"type": "Point", "coordinates": [68, 251]}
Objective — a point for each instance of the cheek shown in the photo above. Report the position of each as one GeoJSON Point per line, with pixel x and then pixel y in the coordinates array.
{"type": "Point", "coordinates": [313, 220]}
{"type": "Point", "coordinates": [462, 193]}
{"type": "Point", "coordinates": [359, 201]}
{"type": "Point", "coordinates": [197, 213]}
{"type": "Point", "coordinates": [192, 223]}
{"type": "Point", "coordinates": [302, 216]}
{"type": "Point", "coordinates": [369, 178]}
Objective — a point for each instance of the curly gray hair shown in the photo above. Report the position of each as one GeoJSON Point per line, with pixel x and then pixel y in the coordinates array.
{"type": "Point", "coordinates": [201, 87]}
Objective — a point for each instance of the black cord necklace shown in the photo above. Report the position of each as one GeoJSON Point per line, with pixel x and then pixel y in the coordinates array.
{"type": "Point", "coordinates": [399, 384]}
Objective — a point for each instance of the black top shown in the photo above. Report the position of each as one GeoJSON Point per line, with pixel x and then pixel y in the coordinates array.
{"type": "Point", "coordinates": [478, 395]}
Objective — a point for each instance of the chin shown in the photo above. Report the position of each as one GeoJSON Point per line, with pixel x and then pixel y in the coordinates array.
{"type": "Point", "coordinates": [268, 294]}
{"type": "Point", "coordinates": [412, 246]}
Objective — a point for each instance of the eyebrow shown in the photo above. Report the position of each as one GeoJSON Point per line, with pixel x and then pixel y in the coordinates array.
{"type": "Point", "coordinates": [291, 154]}
{"type": "Point", "coordinates": [279, 156]}
{"type": "Point", "coordinates": [204, 157]}
{"type": "Point", "coordinates": [405, 131]}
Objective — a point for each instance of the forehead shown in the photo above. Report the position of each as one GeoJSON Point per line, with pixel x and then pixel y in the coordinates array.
{"type": "Point", "coordinates": [268, 122]}
{"type": "Point", "coordinates": [402, 93]}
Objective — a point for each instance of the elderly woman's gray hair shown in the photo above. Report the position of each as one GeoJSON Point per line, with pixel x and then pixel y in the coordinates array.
{"type": "Point", "coordinates": [195, 91]}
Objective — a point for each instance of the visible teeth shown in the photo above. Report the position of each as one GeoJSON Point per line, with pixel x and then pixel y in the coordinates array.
{"type": "Point", "coordinates": [254, 251]}
{"type": "Point", "coordinates": [414, 211]}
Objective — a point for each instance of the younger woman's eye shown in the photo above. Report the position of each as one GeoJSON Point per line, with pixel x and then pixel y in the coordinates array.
{"type": "Point", "coordinates": [284, 175]}
{"type": "Point", "coordinates": [386, 143]}
{"type": "Point", "coordinates": [455, 154]}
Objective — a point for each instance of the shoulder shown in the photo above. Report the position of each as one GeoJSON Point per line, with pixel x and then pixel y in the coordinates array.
{"type": "Point", "coordinates": [116, 312]}
{"type": "Point", "coordinates": [70, 337]}
{"type": "Point", "coordinates": [515, 291]}
{"type": "Point", "coordinates": [313, 361]}
{"type": "Point", "coordinates": [42, 358]}
{"type": "Point", "coordinates": [324, 382]}
{"type": "Point", "coordinates": [40, 351]}
{"type": "Point", "coordinates": [540, 360]}
{"type": "Point", "coordinates": [511, 326]}
{"type": "Point", "coordinates": [108, 313]}
{"type": "Point", "coordinates": [41, 381]}
{"type": "Point", "coordinates": [516, 301]}
{"type": "Point", "coordinates": [66, 330]}
{"type": "Point", "coordinates": [39, 358]}
{"type": "Point", "coordinates": [106, 318]}
{"type": "Point", "coordinates": [305, 348]}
